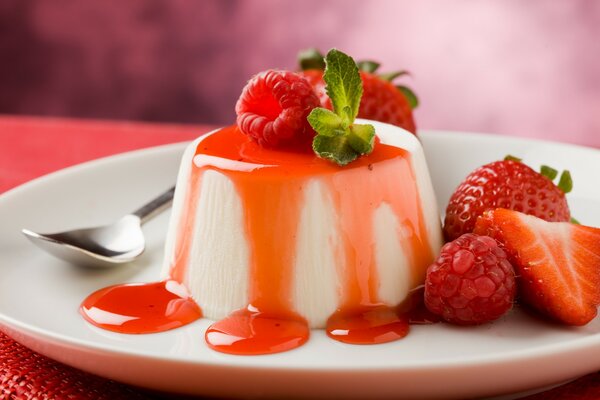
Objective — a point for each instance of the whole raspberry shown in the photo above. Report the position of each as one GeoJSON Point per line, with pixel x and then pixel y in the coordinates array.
{"type": "Point", "coordinates": [273, 107]}
{"type": "Point", "coordinates": [471, 282]}
{"type": "Point", "coordinates": [504, 184]}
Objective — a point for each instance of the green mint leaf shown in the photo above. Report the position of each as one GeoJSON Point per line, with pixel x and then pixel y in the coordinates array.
{"type": "Point", "coordinates": [333, 140]}
{"type": "Point", "coordinates": [412, 98]}
{"type": "Point", "coordinates": [344, 86]}
{"type": "Point", "coordinates": [548, 172]}
{"type": "Point", "coordinates": [347, 112]}
{"type": "Point", "coordinates": [311, 59]}
{"type": "Point", "coordinates": [338, 139]}
{"type": "Point", "coordinates": [326, 122]}
{"type": "Point", "coordinates": [334, 148]}
{"type": "Point", "coordinates": [390, 76]}
{"type": "Point", "coordinates": [565, 182]}
{"type": "Point", "coordinates": [574, 221]}
{"type": "Point", "coordinates": [361, 138]}
{"type": "Point", "coordinates": [368, 66]}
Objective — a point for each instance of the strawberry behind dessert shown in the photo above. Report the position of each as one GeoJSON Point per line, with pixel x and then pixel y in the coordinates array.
{"type": "Point", "coordinates": [557, 263]}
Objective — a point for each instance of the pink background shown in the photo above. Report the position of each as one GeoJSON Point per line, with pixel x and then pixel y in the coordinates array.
{"type": "Point", "coordinates": [527, 68]}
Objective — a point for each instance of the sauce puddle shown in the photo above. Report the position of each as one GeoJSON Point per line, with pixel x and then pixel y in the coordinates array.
{"type": "Point", "coordinates": [141, 307]}
{"type": "Point", "coordinates": [251, 332]}
{"type": "Point", "coordinates": [271, 185]}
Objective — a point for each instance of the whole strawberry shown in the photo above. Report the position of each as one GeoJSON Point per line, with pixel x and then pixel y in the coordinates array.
{"type": "Point", "coordinates": [506, 184]}
{"type": "Point", "coordinates": [557, 263]}
{"type": "Point", "coordinates": [381, 100]}
{"type": "Point", "coordinates": [471, 282]}
{"type": "Point", "coordinates": [273, 108]}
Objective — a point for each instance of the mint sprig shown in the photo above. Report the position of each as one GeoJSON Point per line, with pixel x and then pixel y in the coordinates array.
{"type": "Point", "coordinates": [338, 138]}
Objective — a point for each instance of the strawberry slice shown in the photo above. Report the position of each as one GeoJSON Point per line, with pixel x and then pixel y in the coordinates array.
{"type": "Point", "coordinates": [557, 263]}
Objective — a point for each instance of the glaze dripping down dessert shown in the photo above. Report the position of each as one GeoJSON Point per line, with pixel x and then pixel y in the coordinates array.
{"type": "Point", "coordinates": [293, 233]}
{"type": "Point", "coordinates": [296, 218]}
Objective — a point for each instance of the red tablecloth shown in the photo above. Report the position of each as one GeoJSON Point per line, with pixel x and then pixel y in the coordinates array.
{"type": "Point", "coordinates": [31, 147]}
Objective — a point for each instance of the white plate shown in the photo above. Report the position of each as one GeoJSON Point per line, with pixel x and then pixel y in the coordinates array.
{"type": "Point", "coordinates": [39, 297]}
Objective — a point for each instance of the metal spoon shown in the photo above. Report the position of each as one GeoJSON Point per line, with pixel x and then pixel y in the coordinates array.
{"type": "Point", "coordinates": [104, 246]}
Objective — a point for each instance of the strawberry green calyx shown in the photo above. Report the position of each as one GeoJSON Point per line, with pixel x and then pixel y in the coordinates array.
{"type": "Point", "coordinates": [412, 98]}
{"type": "Point", "coordinates": [338, 138]}
{"type": "Point", "coordinates": [368, 66]}
{"type": "Point", "coordinates": [565, 183]}
{"type": "Point", "coordinates": [311, 59]}
{"type": "Point", "coordinates": [548, 172]}
{"type": "Point", "coordinates": [510, 157]}
{"type": "Point", "coordinates": [390, 76]}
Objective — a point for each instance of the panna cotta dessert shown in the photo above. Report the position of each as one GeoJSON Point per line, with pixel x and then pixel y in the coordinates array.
{"type": "Point", "coordinates": [291, 233]}
{"type": "Point", "coordinates": [298, 217]}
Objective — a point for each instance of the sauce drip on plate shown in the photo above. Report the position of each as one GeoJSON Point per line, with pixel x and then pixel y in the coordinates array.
{"type": "Point", "coordinates": [271, 185]}
{"type": "Point", "coordinates": [141, 308]}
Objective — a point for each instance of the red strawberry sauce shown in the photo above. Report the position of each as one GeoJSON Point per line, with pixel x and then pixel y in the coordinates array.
{"type": "Point", "coordinates": [270, 184]}
{"type": "Point", "coordinates": [141, 308]}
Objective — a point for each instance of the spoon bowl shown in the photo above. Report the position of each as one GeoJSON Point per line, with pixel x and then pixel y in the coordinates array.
{"type": "Point", "coordinates": [103, 246]}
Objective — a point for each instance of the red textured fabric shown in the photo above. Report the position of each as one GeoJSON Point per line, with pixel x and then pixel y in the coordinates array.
{"type": "Point", "coordinates": [28, 375]}
{"type": "Point", "coordinates": [31, 147]}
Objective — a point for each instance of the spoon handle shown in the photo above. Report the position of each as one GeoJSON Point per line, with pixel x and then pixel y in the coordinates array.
{"type": "Point", "coordinates": [150, 210]}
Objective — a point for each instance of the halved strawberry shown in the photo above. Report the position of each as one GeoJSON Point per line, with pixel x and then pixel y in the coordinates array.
{"type": "Point", "coordinates": [557, 263]}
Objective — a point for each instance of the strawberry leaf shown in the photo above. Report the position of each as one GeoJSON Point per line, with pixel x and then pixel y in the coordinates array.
{"type": "Point", "coordinates": [368, 66]}
{"type": "Point", "coordinates": [510, 157]}
{"type": "Point", "coordinates": [311, 59]}
{"type": "Point", "coordinates": [565, 182]}
{"type": "Point", "coordinates": [548, 172]}
{"type": "Point", "coordinates": [412, 98]}
{"type": "Point", "coordinates": [390, 76]}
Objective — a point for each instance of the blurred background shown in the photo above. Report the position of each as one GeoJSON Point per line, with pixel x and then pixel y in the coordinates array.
{"type": "Point", "coordinates": [524, 68]}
